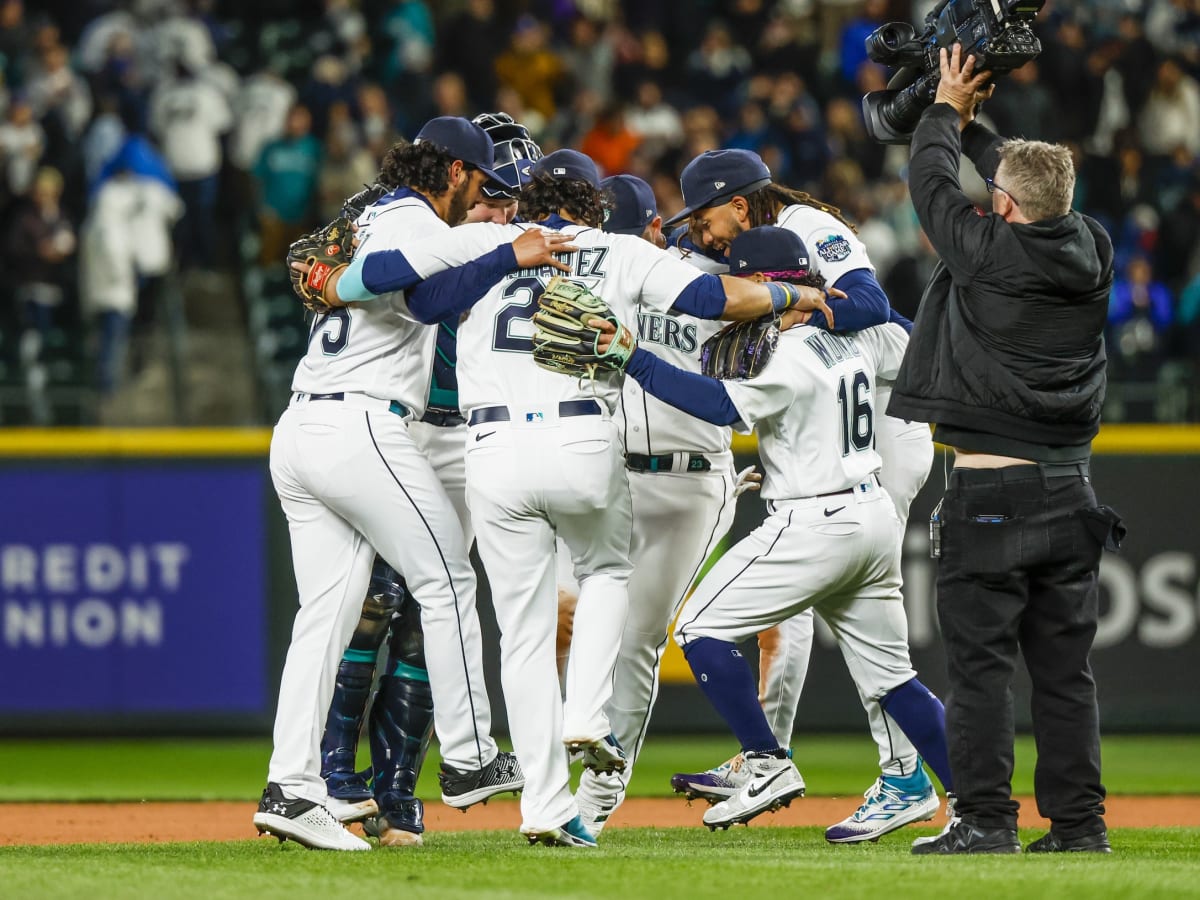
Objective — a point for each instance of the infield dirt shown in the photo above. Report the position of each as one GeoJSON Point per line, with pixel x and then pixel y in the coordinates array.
{"type": "Point", "coordinates": [113, 823]}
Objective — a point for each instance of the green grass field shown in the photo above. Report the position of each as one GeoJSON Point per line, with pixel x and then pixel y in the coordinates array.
{"type": "Point", "coordinates": [759, 862]}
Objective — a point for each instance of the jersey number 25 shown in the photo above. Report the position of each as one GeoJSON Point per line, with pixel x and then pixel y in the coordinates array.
{"type": "Point", "coordinates": [522, 296]}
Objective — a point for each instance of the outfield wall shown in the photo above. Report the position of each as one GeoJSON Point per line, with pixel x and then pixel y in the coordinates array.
{"type": "Point", "coordinates": [145, 586]}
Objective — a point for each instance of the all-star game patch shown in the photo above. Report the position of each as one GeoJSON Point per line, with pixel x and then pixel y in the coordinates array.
{"type": "Point", "coordinates": [834, 248]}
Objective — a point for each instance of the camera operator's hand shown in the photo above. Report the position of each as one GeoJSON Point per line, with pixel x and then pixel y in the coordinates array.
{"type": "Point", "coordinates": [961, 86]}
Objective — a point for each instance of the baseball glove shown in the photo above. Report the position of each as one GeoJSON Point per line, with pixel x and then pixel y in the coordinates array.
{"type": "Point", "coordinates": [325, 251]}
{"type": "Point", "coordinates": [563, 341]}
{"type": "Point", "coordinates": [741, 350]}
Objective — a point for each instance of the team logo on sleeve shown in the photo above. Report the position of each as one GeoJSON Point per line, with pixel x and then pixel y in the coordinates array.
{"type": "Point", "coordinates": [833, 249]}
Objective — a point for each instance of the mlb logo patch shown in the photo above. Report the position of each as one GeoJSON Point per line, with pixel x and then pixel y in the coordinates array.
{"type": "Point", "coordinates": [560, 171]}
{"type": "Point", "coordinates": [534, 417]}
{"type": "Point", "coordinates": [834, 248]}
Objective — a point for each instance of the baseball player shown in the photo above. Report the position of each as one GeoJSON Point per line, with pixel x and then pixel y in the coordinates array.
{"type": "Point", "coordinates": [727, 192]}
{"type": "Point", "coordinates": [401, 721]}
{"type": "Point", "coordinates": [544, 457]}
{"type": "Point", "coordinates": [683, 488]}
{"type": "Point", "coordinates": [352, 481]}
{"type": "Point", "coordinates": [831, 540]}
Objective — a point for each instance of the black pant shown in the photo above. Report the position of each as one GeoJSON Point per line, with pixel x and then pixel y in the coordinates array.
{"type": "Point", "coordinates": [1019, 570]}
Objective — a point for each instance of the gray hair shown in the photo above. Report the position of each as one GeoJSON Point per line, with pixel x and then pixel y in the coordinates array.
{"type": "Point", "coordinates": [1040, 176]}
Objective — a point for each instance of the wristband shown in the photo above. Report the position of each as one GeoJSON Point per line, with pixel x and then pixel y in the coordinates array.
{"type": "Point", "coordinates": [783, 295]}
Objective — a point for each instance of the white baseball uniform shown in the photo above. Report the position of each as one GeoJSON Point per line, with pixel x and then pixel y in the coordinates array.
{"type": "Point", "coordinates": [831, 539]}
{"type": "Point", "coordinates": [906, 449]}
{"type": "Point", "coordinates": [545, 457]}
{"type": "Point", "coordinates": [681, 479]}
{"type": "Point", "coordinates": [352, 481]}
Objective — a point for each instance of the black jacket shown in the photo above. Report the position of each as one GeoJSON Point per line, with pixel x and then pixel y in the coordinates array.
{"type": "Point", "coordinates": [1007, 354]}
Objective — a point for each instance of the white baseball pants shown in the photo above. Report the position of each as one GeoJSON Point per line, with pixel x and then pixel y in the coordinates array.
{"type": "Point", "coordinates": [527, 480]}
{"type": "Point", "coordinates": [352, 482]}
{"type": "Point", "coordinates": [678, 519]}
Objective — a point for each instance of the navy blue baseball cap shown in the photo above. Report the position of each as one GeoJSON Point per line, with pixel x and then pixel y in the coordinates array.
{"type": "Point", "coordinates": [568, 165]}
{"type": "Point", "coordinates": [768, 249]}
{"type": "Point", "coordinates": [718, 176]}
{"type": "Point", "coordinates": [463, 140]}
{"type": "Point", "coordinates": [634, 206]}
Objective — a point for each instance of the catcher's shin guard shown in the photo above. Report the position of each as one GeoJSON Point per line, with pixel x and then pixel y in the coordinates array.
{"type": "Point", "coordinates": [401, 725]}
{"type": "Point", "coordinates": [356, 673]}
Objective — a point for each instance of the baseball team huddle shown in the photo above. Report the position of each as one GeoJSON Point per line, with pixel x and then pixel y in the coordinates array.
{"type": "Point", "coordinates": [509, 351]}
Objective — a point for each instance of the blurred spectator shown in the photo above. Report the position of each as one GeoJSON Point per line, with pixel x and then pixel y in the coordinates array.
{"type": "Point", "coordinates": [449, 96]}
{"type": "Point", "coordinates": [1178, 250]}
{"type": "Point", "coordinates": [346, 168]}
{"type": "Point", "coordinates": [471, 49]}
{"type": "Point", "coordinates": [104, 137]}
{"type": "Point", "coordinates": [55, 91]}
{"type": "Point", "coordinates": [330, 82]}
{"type": "Point", "coordinates": [14, 40]}
{"type": "Point", "coordinates": [610, 142]}
{"type": "Point", "coordinates": [717, 67]}
{"type": "Point", "coordinates": [848, 139]}
{"type": "Point", "coordinates": [1139, 312]}
{"type": "Point", "coordinates": [287, 173]}
{"type": "Point", "coordinates": [39, 240]}
{"type": "Point", "coordinates": [1025, 108]}
{"type": "Point", "coordinates": [125, 252]}
{"type": "Point", "coordinates": [376, 118]}
{"type": "Point", "coordinates": [656, 122]}
{"type": "Point", "coordinates": [188, 116]}
{"type": "Point", "coordinates": [1171, 116]}
{"type": "Point", "coordinates": [589, 57]}
{"type": "Point", "coordinates": [409, 27]}
{"type": "Point", "coordinates": [852, 51]}
{"type": "Point", "coordinates": [531, 67]}
{"type": "Point", "coordinates": [262, 109]}
{"type": "Point", "coordinates": [21, 143]}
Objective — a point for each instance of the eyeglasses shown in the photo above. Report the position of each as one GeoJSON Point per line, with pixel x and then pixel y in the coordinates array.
{"type": "Point", "coordinates": [993, 187]}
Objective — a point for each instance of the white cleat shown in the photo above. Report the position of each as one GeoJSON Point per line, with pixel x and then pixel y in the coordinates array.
{"type": "Point", "coordinates": [887, 806]}
{"type": "Point", "coordinates": [347, 811]}
{"type": "Point", "coordinates": [775, 782]}
{"type": "Point", "coordinates": [308, 824]}
{"type": "Point", "coordinates": [600, 755]}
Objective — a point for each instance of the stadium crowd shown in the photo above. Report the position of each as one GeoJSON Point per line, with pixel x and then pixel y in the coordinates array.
{"type": "Point", "coordinates": [142, 138]}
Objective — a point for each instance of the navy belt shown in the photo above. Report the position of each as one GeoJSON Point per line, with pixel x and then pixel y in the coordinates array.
{"type": "Point", "coordinates": [396, 406]}
{"type": "Point", "coordinates": [664, 462]}
{"type": "Point", "coordinates": [565, 409]}
{"type": "Point", "coordinates": [443, 418]}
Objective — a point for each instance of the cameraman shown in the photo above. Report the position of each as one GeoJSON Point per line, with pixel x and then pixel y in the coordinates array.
{"type": "Point", "coordinates": [1007, 360]}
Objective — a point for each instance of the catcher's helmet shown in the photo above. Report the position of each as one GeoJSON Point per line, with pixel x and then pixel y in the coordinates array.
{"type": "Point", "coordinates": [515, 154]}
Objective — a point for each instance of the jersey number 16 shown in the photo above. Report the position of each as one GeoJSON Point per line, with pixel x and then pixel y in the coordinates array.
{"type": "Point", "coordinates": [858, 419]}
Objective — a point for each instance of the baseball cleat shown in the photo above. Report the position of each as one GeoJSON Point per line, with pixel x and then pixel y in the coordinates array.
{"type": "Point", "coordinates": [717, 784]}
{"type": "Point", "coordinates": [308, 824]}
{"type": "Point", "coordinates": [572, 834]}
{"type": "Point", "coordinates": [462, 789]}
{"type": "Point", "coordinates": [400, 826]}
{"type": "Point", "coordinates": [347, 811]}
{"type": "Point", "coordinates": [774, 783]}
{"type": "Point", "coordinates": [962, 838]}
{"type": "Point", "coordinates": [595, 811]}
{"type": "Point", "coordinates": [602, 755]}
{"type": "Point", "coordinates": [952, 819]}
{"type": "Point", "coordinates": [890, 803]}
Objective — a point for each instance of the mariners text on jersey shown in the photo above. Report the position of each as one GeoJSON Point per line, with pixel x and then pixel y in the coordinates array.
{"type": "Point", "coordinates": [668, 331]}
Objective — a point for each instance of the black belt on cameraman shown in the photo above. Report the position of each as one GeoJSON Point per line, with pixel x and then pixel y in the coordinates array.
{"type": "Point", "coordinates": [566, 409]}
{"type": "Point", "coordinates": [665, 462]}
{"type": "Point", "coordinates": [443, 418]}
